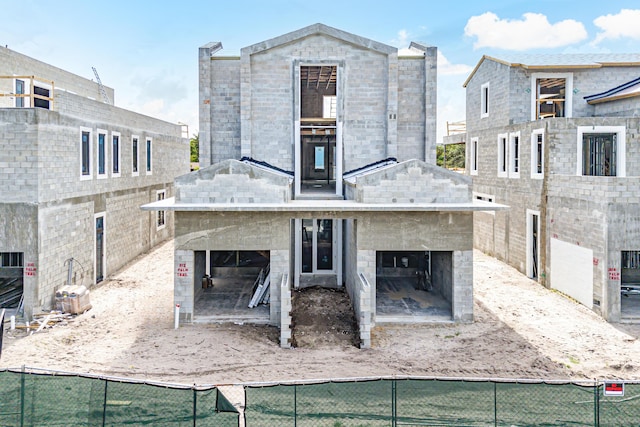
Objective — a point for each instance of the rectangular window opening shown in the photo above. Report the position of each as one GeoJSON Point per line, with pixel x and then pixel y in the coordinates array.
{"type": "Point", "coordinates": [599, 152]}
{"type": "Point", "coordinates": [115, 154]}
{"type": "Point", "coordinates": [102, 148]}
{"type": "Point", "coordinates": [149, 155]}
{"type": "Point", "coordinates": [160, 218]}
{"type": "Point", "coordinates": [38, 100]}
{"type": "Point", "coordinates": [86, 153]}
{"type": "Point", "coordinates": [484, 100]}
{"type": "Point", "coordinates": [19, 91]}
{"type": "Point", "coordinates": [134, 155]}
{"type": "Point", "coordinates": [550, 97]}
{"type": "Point", "coordinates": [474, 156]}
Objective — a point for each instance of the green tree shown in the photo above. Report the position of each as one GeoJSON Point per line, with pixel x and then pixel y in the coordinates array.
{"type": "Point", "coordinates": [194, 142]}
{"type": "Point", "coordinates": [455, 156]}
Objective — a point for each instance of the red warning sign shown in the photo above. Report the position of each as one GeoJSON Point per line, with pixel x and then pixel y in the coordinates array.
{"type": "Point", "coordinates": [613, 389]}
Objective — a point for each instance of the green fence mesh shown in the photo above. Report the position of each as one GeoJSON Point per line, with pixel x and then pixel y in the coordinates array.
{"type": "Point", "coordinates": [621, 410]}
{"type": "Point", "coordinates": [28, 399]}
{"type": "Point", "coordinates": [436, 402]}
{"type": "Point", "coordinates": [54, 399]}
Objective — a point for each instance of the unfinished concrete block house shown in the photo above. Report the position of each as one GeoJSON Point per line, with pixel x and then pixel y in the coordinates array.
{"type": "Point", "coordinates": [555, 137]}
{"type": "Point", "coordinates": [74, 170]}
{"type": "Point", "coordinates": [317, 155]}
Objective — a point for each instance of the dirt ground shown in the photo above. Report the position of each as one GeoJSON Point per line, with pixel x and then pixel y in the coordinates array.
{"type": "Point", "coordinates": [521, 330]}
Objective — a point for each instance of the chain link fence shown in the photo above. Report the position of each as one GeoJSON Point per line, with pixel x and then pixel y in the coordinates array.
{"type": "Point", "coordinates": [38, 398]}
{"type": "Point", "coordinates": [440, 402]}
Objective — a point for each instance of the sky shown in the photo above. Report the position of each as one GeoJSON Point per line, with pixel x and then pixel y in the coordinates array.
{"type": "Point", "coordinates": [148, 51]}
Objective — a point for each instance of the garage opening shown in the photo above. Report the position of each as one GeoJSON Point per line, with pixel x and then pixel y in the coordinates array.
{"type": "Point", "coordinates": [232, 286]}
{"type": "Point", "coordinates": [11, 279]}
{"type": "Point", "coordinates": [413, 286]}
{"type": "Point", "coordinates": [630, 285]}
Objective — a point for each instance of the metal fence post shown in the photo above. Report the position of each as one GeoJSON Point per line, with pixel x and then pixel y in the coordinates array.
{"type": "Point", "coordinates": [596, 404]}
{"type": "Point", "coordinates": [195, 411]}
{"type": "Point", "coordinates": [295, 405]}
{"type": "Point", "coordinates": [104, 404]}
{"type": "Point", "coordinates": [394, 407]}
{"type": "Point", "coordinates": [495, 404]}
{"type": "Point", "coordinates": [22, 397]}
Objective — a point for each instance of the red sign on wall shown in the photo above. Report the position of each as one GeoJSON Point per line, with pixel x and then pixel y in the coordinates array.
{"type": "Point", "coordinates": [183, 270]}
{"type": "Point", "coordinates": [30, 269]}
{"type": "Point", "coordinates": [614, 274]}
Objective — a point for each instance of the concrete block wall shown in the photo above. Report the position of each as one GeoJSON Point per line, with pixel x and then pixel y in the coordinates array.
{"type": "Point", "coordinates": [279, 260]}
{"type": "Point", "coordinates": [65, 231]}
{"type": "Point", "coordinates": [497, 75]}
{"type": "Point", "coordinates": [268, 93]}
{"type": "Point", "coordinates": [411, 108]}
{"type": "Point", "coordinates": [597, 80]}
{"type": "Point", "coordinates": [462, 298]}
{"type": "Point", "coordinates": [59, 159]}
{"type": "Point", "coordinates": [232, 181]}
{"type": "Point", "coordinates": [510, 94]}
{"type": "Point", "coordinates": [19, 147]}
{"type": "Point", "coordinates": [360, 293]}
{"type": "Point", "coordinates": [366, 263]}
{"type": "Point", "coordinates": [14, 63]}
{"type": "Point", "coordinates": [413, 182]}
{"type": "Point", "coordinates": [626, 107]}
{"type": "Point", "coordinates": [42, 152]}
{"type": "Point", "coordinates": [503, 234]}
{"type": "Point", "coordinates": [285, 312]}
{"type": "Point", "coordinates": [224, 121]}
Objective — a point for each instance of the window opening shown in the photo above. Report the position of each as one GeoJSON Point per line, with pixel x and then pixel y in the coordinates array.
{"type": "Point", "coordinates": [19, 91]}
{"type": "Point", "coordinates": [99, 249]}
{"type": "Point", "coordinates": [538, 153]}
{"type": "Point", "coordinates": [502, 155]}
{"type": "Point", "coordinates": [599, 154]}
{"type": "Point", "coordinates": [149, 155]}
{"type": "Point", "coordinates": [134, 153]}
{"type": "Point", "coordinates": [514, 149]}
{"type": "Point", "coordinates": [474, 156]}
{"type": "Point", "coordinates": [39, 102]}
{"type": "Point", "coordinates": [115, 153]}
{"type": "Point", "coordinates": [86, 154]}
{"type": "Point", "coordinates": [160, 222]}
{"type": "Point", "coordinates": [484, 100]}
{"type": "Point", "coordinates": [550, 97]}
{"type": "Point", "coordinates": [101, 154]}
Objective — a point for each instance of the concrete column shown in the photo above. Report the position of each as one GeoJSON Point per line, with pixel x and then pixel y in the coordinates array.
{"type": "Point", "coordinates": [184, 266]}
{"type": "Point", "coordinates": [204, 106]}
{"type": "Point", "coordinates": [462, 298]}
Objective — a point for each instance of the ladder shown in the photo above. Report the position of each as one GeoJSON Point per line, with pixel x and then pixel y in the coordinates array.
{"type": "Point", "coordinates": [105, 97]}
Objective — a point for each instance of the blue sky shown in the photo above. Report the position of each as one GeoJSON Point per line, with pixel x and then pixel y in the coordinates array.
{"type": "Point", "coordinates": [147, 51]}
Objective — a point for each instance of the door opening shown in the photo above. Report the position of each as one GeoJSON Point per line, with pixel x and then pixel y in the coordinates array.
{"type": "Point", "coordinates": [99, 249]}
{"type": "Point", "coordinates": [318, 128]}
{"type": "Point", "coordinates": [533, 243]}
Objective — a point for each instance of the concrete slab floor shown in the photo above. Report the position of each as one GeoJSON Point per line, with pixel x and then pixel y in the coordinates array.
{"type": "Point", "coordinates": [228, 301]}
{"type": "Point", "coordinates": [630, 307]}
{"type": "Point", "coordinates": [398, 301]}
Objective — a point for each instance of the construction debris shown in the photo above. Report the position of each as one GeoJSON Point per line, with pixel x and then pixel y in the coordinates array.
{"type": "Point", "coordinates": [261, 288]}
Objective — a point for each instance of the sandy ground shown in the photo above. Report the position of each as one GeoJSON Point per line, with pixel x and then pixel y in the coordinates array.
{"type": "Point", "coordinates": [521, 330]}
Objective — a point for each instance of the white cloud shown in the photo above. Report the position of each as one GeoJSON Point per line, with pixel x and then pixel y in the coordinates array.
{"type": "Point", "coordinates": [402, 39]}
{"type": "Point", "coordinates": [533, 31]}
{"type": "Point", "coordinates": [623, 24]}
{"type": "Point", "coordinates": [446, 68]}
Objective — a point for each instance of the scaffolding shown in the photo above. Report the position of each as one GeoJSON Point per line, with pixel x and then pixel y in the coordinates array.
{"type": "Point", "coordinates": [44, 99]}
